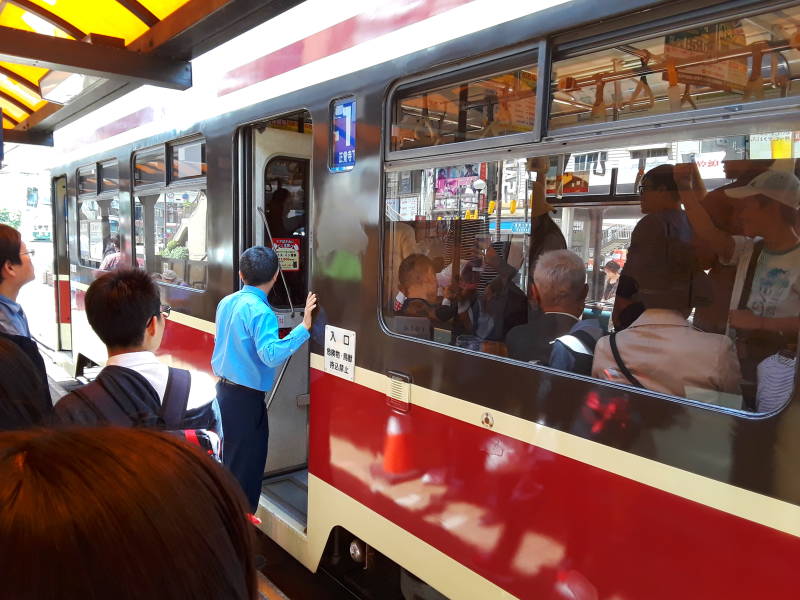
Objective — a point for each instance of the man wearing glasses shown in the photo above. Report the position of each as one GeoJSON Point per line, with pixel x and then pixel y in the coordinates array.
{"type": "Point", "coordinates": [135, 388]}
{"type": "Point", "coordinates": [16, 269]}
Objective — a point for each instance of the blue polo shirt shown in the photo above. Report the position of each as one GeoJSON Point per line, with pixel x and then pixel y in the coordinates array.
{"type": "Point", "coordinates": [247, 349]}
{"type": "Point", "coordinates": [12, 318]}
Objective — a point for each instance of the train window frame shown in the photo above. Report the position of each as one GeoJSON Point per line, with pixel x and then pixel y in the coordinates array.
{"type": "Point", "coordinates": [169, 185]}
{"type": "Point", "coordinates": [664, 21]}
{"type": "Point", "coordinates": [537, 53]}
{"type": "Point", "coordinates": [152, 151]}
{"type": "Point", "coordinates": [98, 195]}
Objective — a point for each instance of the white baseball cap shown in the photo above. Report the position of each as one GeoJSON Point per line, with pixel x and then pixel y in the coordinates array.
{"type": "Point", "coordinates": [781, 186]}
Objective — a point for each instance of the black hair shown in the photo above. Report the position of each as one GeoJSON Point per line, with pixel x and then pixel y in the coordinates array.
{"type": "Point", "coordinates": [120, 304]}
{"type": "Point", "coordinates": [10, 244]}
{"type": "Point", "coordinates": [23, 395]}
{"type": "Point", "coordinates": [412, 270]}
{"type": "Point", "coordinates": [258, 265]}
{"type": "Point", "coordinates": [661, 177]}
{"type": "Point", "coordinates": [114, 502]}
{"type": "Point", "coordinates": [612, 266]}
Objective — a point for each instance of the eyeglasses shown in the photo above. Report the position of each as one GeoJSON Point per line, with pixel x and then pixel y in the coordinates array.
{"type": "Point", "coordinates": [29, 253]}
{"type": "Point", "coordinates": [165, 310]}
{"type": "Point", "coordinates": [640, 189]}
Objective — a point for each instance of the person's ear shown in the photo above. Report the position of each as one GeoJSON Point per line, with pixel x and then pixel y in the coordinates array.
{"type": "Point", "coordinates": [152, 326]}
{"type": "Point", "coordinates": [275, 277]}
{"type": "Point", "coordinates": [535, 294]}
{"type": "Point", "coordinates": [241, 278]}
{"type": "Point", "coordinates": [585, 292]}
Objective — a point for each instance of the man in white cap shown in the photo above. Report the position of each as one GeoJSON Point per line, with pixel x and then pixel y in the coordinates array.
{"type": "Point", "coordinates": [766, 295]}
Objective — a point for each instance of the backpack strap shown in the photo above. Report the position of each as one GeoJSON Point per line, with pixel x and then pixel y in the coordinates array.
{"type": "Point", "coordinates": [176, 397]}
{"type": "Point", "coordinates": [620, 363]}
{"type": "Point", "coordinates": [758, 246]}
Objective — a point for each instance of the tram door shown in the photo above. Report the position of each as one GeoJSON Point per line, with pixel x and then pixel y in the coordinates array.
{"type": "Point", "coordinates": [278, 214]}
{"type": "Point", "coordinates": [61, 267]}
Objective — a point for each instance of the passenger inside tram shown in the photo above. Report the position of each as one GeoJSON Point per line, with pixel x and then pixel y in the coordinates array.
{"type": "Point", "coordinates": [645, 235]}
{"type": "Point", "coordinates": [557, 335]}
{"type": "Point", "coordinates": [768, 253]}
{"type": "Point", "coordinates": [130, 513]}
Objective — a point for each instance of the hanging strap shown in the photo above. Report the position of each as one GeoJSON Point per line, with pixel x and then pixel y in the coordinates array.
{"type": "Point", "coordinates": [176, 397]}
{"type": "Point", "coordinates": [620, 363]}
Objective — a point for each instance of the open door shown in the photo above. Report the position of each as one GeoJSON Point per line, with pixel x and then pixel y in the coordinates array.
{"type": "Point", "coordinates": [275, 213]}
{"type": "Point", "coordinates": [61, 266]}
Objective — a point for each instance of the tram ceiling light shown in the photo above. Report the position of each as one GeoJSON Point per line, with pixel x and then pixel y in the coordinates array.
{"type": "Point", "coordinates": [62, 87]}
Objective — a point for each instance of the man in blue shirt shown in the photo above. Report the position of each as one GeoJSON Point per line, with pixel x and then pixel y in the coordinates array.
{"type": "Point", "coordinates": [16, 269]}
{"type": "Point", "coordinates": [247, 352]}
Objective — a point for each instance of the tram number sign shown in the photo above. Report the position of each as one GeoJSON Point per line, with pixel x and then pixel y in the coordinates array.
{"type": "Point", "coordinates": [340, 352]}
{"type": "Point", "coordinates": [288, 251]}
{"type": "Point", "coordinates": [343, 136]}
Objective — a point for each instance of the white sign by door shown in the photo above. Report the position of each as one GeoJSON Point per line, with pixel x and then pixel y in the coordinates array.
{"type": "Point", "coordinates": [340, 352]}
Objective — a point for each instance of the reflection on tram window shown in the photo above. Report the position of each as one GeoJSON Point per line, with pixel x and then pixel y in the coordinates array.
{"type": "Point", "coordinates": [149, 167]}
{"type": "Point", "coordinates": [170, 236]}
{"type": "Point", "coordinates": [109, 176]}
{"type": "Point", "coordinates": [98, 232]}
{"type": "Point", "coordinates": [188, 160]}
{"type": "Point", "coordinates": [87, 180]}
{"type": "Point", "coordinates": [740, 60]}
{"type": "Point", "coordinates": [470, 110]}
{"type": "Point", "coordinates": [691, 246]}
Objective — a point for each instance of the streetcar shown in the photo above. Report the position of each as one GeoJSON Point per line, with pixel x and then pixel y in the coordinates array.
{"type": "Point", "coordinates": [409, 459]}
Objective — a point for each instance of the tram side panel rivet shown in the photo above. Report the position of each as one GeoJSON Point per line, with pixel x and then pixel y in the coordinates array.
{"type": "Point", "coordinates": [487, 420]}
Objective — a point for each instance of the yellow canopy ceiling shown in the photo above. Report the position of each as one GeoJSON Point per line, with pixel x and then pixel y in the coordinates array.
{"type": "Point", "coordinates": [20, 95]}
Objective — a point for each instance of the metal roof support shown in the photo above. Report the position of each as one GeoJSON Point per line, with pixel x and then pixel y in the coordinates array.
{"type": "Point", "coordinates": [35, 138]}
{"type": "Point", "coordinates": [102, 61]}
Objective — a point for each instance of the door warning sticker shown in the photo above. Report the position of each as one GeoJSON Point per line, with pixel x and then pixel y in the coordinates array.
{"type": "Point", "coordinates": [288, 251]}
{"type": "Point", "coordinates": [340, 352]}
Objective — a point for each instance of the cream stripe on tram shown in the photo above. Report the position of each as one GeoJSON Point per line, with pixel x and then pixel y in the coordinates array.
{"type": "Point", "coordinates": [740, 502]}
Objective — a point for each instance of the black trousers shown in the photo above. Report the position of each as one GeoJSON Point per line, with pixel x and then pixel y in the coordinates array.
{"type": "Point", "coordinates": [245, 431]}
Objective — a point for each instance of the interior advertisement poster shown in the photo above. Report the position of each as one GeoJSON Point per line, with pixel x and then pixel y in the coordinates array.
{"type": "Point", "coordinates": [343, 138]}
{"type": "Point", "coordinates": [288, 251]}
{"type": "Point", "coordinates": [710, 40]}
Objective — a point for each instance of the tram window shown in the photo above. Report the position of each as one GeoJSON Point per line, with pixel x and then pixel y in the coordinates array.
{"type": "Point", "coordinates": [463, 244]}
{"type": "Point", "coordinates": [493, 106]}
{"type": "Point", "coordinates": [109, 176]}
{"type": "Point", "coordinates": [149, 167]}
{"type": "Point", "coordinates": [740, 60]}
{"type": "Point", "coordinates": [98, 232]}
{"type": "Point", "coordinates": [87, 180]}
{"type": "Point", "coordinates": [170, 236]}
{"type": "Point", "coordinates": [188, 160]}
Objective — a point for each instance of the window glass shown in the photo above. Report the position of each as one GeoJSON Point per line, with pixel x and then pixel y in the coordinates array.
{"type": "Point", "coordinates": [469, 262]}
{"type": "Point", "coordinates": [98, 233]}
{"type": "Point", "coordinates": [189, 160]}
{"type": "Point", "coordinates": [109, 176]}
{"type": "Point", "coordinates": [285, 193]}
{"type": "Point", "coordinates": [149, 167]}
{"type": "Point", "coordinates": [483, 108]}
{"type": "Point", "coordinates": [170, 236]}
{"type": "Point", "coordinates": [87, 180]}
{"type": "Point", "coordinates": [741, 60]}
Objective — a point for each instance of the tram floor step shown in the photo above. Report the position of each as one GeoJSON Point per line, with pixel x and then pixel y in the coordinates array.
{"type": "Point", "coordinates": [290, 491]}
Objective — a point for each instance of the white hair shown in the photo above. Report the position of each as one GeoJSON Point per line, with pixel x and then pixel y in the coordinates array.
{"type": "Point", "coordinates": [560, 276]}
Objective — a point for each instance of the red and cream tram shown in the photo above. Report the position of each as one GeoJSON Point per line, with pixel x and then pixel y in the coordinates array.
{"type": "Point", "coordinates": [371, 132]}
